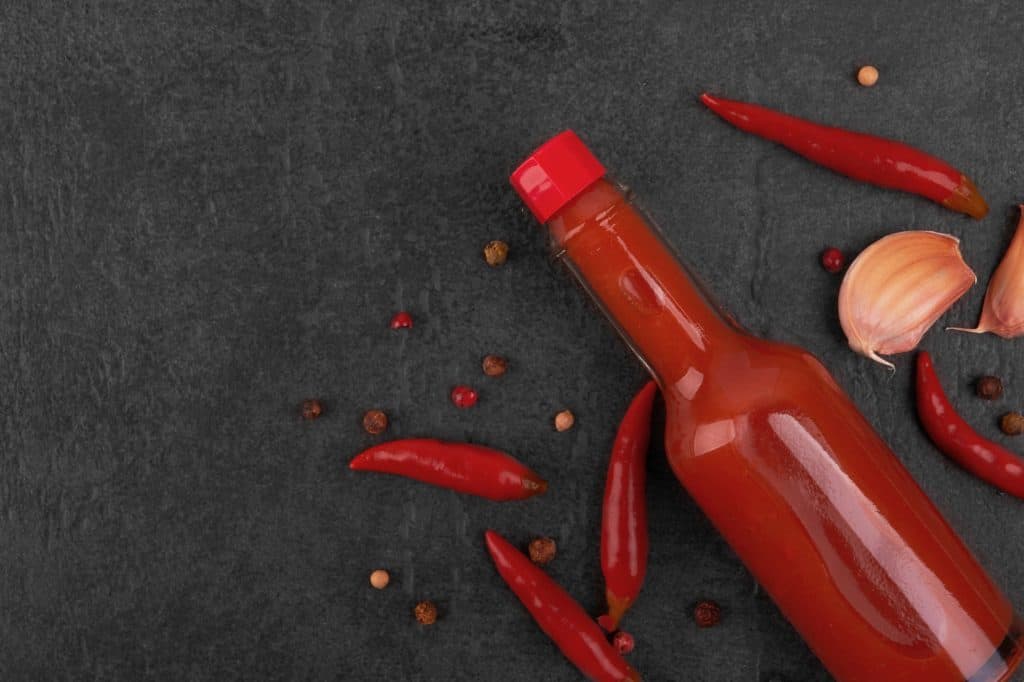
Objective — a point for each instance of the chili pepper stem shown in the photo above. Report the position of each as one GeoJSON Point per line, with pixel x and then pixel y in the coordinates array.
{"type": "Point", "coordinates": [617, 607]}
{"type": "Point", "coordinates": [537, 486]}
{"type": "Point", "coordinates": [967, 199]}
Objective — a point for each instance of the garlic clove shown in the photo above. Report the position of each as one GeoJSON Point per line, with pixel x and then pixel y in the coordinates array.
{"type": "Point", "coordinates": [897, 288]}
{"type": "Point", "coordinates": [1003, 310]}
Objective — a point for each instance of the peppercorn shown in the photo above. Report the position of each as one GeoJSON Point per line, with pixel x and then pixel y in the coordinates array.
{"type": "Point", "coordinates": [464, 396]}
{"type": "Point", "coordinates": [380, 578]}
{"type": "Point", "coordinates": [495, 365]}
{"type": "Point", "coordinates": [496, 253]}
{"type": "Point", "coordinates": [542, 551]}
{"type": "Point", "coordinates": [426, 613]}
{"type": "Point", "coordinates": [833, 260]}
{"type": "Point", "coordinates": [564, 420]}
{"type": "Point", "coordinates": [1012, 423]}
{"type": "Point", "coordinates": [988, 387]}
{"type": "Point", "coordinates": [375, 421]}
{"type": "Point", "coordinates": [867, 76]}
{"type": "Point", "coordinates": [311, 409]}
{"type": "Point", "coordinates": [707, 614]}
{"type": "Point", "coordinates": [623, 642]}
{"type": "Point", "coordinates": [401, 320]}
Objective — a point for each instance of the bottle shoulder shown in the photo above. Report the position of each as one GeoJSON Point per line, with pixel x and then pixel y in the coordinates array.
{"type": "Point", "coordinates": [772, 393]}
{"type": "Point", "coordinates": [752, 374]}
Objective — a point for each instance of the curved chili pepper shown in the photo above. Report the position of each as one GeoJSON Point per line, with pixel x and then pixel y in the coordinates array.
{"type": "Point", "coordinates": [624, 515]}
{"type": "Point", "coordinates": [989, 461]}
{"type": "Point", "coordinates": [860, 156]}
{"type": "Point", "coordinates": [559, 615]}
{"type": "Point", "coordinates": [462, 467]}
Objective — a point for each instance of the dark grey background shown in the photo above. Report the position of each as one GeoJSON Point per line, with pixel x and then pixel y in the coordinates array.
{"type": "Point", "coordinates": [209, 211]}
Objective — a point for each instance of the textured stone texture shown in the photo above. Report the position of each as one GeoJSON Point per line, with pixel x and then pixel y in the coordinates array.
{"type": "Point", "coordinates": [209, 212]}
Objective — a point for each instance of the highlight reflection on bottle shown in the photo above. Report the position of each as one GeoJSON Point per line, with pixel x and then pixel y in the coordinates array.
{"type": "Point", "coordinates": [807, 494]}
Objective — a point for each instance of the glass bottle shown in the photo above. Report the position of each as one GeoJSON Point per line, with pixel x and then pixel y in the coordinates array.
{"type": "Point", "coordinates": [812, 500]}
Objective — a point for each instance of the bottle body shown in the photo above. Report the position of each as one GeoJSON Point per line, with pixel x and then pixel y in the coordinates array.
{"type": "Point", "coordinates": [833, 526]}
{"type": "Point", "coordinates": [807, 494]}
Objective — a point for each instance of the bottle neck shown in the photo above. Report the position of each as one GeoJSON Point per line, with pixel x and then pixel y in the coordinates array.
{"type": "Point", "coordinates": [639, 283]}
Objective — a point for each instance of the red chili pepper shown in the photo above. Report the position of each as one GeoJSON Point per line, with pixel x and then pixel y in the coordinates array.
{"type": "Point", "coordinates": [462, 467]}
{"type": "Point", "coordinates": [559, 615]}
{"type": "Point", "coordinates": [881, 162]}
{"type": "Point", "coordinates": [624, 516]}
{"type": "Point", "coordinates": [988, 461]}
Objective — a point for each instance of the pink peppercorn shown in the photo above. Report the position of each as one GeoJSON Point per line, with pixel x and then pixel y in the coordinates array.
{"type": "Point", "coordinates": [623, 642]}
{"type": "Point", "coordinates": [401, 320]}
{"type": "Point", "coordinates": [833, 260]}
{"type": "Point", "coordinates": [312, 409]}
{"type": "Point", "coordinates": [707, 614]}
{"type": "Point", "coordinates": [464, 396]}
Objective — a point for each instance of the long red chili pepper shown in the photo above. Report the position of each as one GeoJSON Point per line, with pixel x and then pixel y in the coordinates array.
{"type": "Point", "coordinates": [559, 615]}
{"type": "Point", "coordinates": [988, 461]}
{"type": "Point", "coordinates": [463, 467]}
{"type": "Point", "coordinates": [868, 158]}
{"type": "Point", "coordinates": [624, 516]}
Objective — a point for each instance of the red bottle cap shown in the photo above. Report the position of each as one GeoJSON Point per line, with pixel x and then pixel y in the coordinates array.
{"type": "Point", "coordinates": [555, 174]}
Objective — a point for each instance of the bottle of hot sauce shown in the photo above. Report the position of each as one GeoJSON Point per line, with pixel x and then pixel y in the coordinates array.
{"type": "Point", "coordinates": [779, 458]}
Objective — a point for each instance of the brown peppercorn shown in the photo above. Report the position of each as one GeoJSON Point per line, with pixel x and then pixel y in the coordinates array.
{"type": "Point", "coordinates": [495, 365]}
{"type": "Point", "coordinates": [1012, 423]}
{"type": "Point", "coordinates": [375, 421]}
{"type": "Point", "coordinates": [542, 551]}
{"type": "Point", "coordinates": [426, 613]}
{"type": "Point", "coordinates": [311, 409]}
{"type": "Point", "coordinates": [707, 614]}
{"type": "Point", "coordinates": [564, 420]}
{"type": "Point", "coordinates": [988, 387]}
{"type": "Point", "coordinates": [496, 253]}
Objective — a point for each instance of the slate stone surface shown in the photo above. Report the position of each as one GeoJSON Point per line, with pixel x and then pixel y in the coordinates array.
{"type": "Point", "coordinates": [210, 211]}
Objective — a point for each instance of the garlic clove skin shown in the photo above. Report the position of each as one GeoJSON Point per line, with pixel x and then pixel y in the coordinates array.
{"type": "Point", "coordinates": [897, 288]}
{"type": "Point", "coordinates": [1003, 310]}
